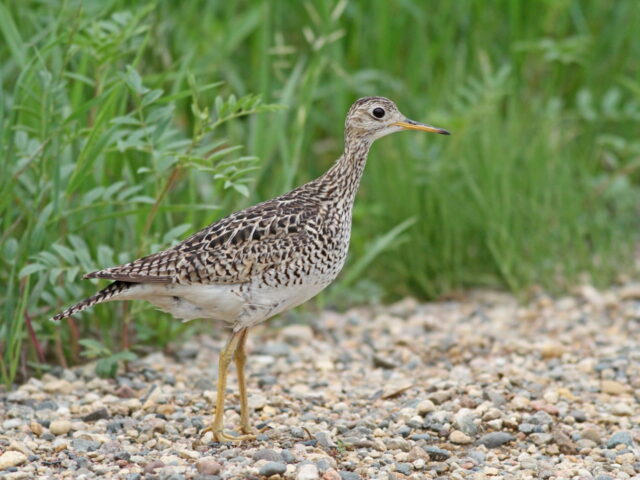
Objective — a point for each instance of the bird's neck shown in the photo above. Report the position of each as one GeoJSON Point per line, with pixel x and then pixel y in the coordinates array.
{"type": "Point", "coordinates": [343, 178]}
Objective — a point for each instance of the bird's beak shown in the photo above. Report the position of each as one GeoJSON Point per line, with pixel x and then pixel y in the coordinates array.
{"type": "Point", "coordinates": [411, 125]}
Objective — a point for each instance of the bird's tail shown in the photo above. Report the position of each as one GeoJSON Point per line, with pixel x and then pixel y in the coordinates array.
{"type": "Point", "coordinates": [102, 296]}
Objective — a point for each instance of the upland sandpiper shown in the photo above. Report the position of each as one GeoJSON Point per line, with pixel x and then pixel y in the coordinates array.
{"type": "Point", "coordinates": [260, 261]}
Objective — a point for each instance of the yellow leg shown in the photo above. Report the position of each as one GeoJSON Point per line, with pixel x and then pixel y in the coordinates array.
{"type": "Point", "coordinates": [217, 426]}
{"type": "Point", "coordinates": [241, 358]}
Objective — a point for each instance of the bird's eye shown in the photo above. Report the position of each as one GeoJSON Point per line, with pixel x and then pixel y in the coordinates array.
{"type": "Point", "coordinates": [378, 112]}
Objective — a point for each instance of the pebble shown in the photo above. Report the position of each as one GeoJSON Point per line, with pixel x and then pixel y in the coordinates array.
{"type": "Point", "coordinates": [60, 427]}
{"type": "Point", "coordinates": [425, 407]}
{"type": "Point", "coordinates": [208, 466]}
{"type": "Point", "coordinates": [267, 454]}
{"type": "Point", "coordinates": [437, 454]}
{"type": "Point", "coordinates": [612, 387]}
{"type": "Point", "coordinates": [308, 471]}
{"type": "Point", "coordinates": [345, 475]}
{"type": "Point", "coordinates": [84, 445]}
{"type": "Point", "coordinates": [456, 436]}
{"type": "Point", "coordinates": [272, 468]}
{"type": "Point", "coordinates": [464, 420]}
{"type": "Point", "coordinates": [622, 437]}
{"type": "Point", "coordinates": [495, 439]}
{"type": "Point", "coordinates": [12, 458]}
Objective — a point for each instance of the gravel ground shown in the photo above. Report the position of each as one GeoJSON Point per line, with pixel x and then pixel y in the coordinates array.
{"type": "Point", "coordinates": [475, 388]}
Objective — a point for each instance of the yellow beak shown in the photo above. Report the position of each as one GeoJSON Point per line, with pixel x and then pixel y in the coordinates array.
{"type": "Point", "coordinates": [411, 125]}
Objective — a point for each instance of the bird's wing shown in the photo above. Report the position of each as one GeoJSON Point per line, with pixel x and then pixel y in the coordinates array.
{"type": "Point", "coordinates": [231, 250]}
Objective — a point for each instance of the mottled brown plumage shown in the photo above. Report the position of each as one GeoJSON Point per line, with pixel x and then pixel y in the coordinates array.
{"type": "Point", "coordinates": [263, 260]}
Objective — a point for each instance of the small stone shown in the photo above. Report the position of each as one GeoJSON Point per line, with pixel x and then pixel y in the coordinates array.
{"type": "Point", "coordinates": [396, 388]}
{"type": "Point", "coordinates": [152, 466]}
{"type": "Point", "coordinates": [551, 350]}
{"type": "Point", "coordinates": [36, 428]}
{"type": "Point", "coordinates": [437, 454]}
{"type": "Point", "coordinates": [459, 437]}
{"type": "Point", "coordinates": [83, 445]}
{"type": "Point", "coordinates": [622, 409]}
{"type": "Point", "coordinates": [585, 443]}
{"type": "Point", "coordinates": [100, 414]}
{"type": "Point", "coordinates": [622, 437]}
{"type": "Point", "coordinates": [297, 334]}
{"type": "Point", "coordinates": [272, 468]}
{"type": "Point", "coordinates": [541, 418]}
{"type": "Point", "coordinates": [495, 439]}
{"type": "Point", "coordinates": [496, 397]}
{"type": "Point", "coordinates": [592, 434]}
{"type": "Point", "coordinates": [208, 466]}
{"type": "Point", "coordinates": [122, 455]}
{"type": "Point", "coordinates": [308, 471]}
{"type": "Point", "coordinates": [325, 440]}
{"type": "Point", "coordinates": [604, 476]}
{"type": "Point", "coordinates": [267, 454]}
{"type": "Point", "coordinates": [464, 420]}
{"type": "Point", "coordinates": [403, 468]}
{"type": "Point", "coordinates": [425, 407]}
{"type": "Point", "coordinates": [382, 362]}
{"type": "Point", "coordinates": [579, 415]}
{"type": "Point", "coordinates": [12, 458]}
{"type": "Point", "coordinates": [520, 402]}
{"type": "Point", "coordinates": [612, 387]}
{"type": "Point", "coordinates": [541, 438]}
{"type": "Point", "coordinates": [257, 401]}
{"type": "Point", "coordinates": [11, 423]}
{"type": "Point", "coordinates": [60, 427]}
{"type": "Point", "coordinates": [125, 391]}
{"type": "Point", "coordinates": [58, 386]}
{"type": "Point", "coordinates": [346, 475]}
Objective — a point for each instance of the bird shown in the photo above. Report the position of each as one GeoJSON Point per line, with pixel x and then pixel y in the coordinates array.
{"type": "Point", "coordinates": [260, 261]}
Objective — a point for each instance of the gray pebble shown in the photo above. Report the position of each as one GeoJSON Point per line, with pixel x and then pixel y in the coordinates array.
{"type": "Point", "coordinates": [323, 465]}
{"type": "Point", "coordinates": [579, 415]}
{"type": "Point", "coordinates": [201, 476]}
{"type": "Point", "coordinates": [422, 436]}
{"type": "Point", "coordinates": [100, 414]}
{"type": "Point", "coordinates": [346, 475]}
{"type": "Point", "coordinates": [477, 456]}
{"type": "Point", "coordinates": [404, 468]}
{"type": "Point", "coordinates": [622, 437]}
{"type": "Point", "coordinates": [122, 455]}
{"type": "Point", "coordinates": [47, 405]}
{"type": "Point", "coordinates": [297, 432]}
{"type": "Point", "coordinates": [325, 440]}
{"type": "Point", "coordinates": [526, 428]}
{"type": "Point", "coordinates": [82, 445]}
{"type": "Point", "coordinates": [11, 423]}
{"type": "Point", "coordinates": [464, 420]}
{"type": "Point", "coordinates": [437, 454]}
{"type": "Point", "coordinates": [272, 468]}
{"type": "Point", "coordinates": [267, 454]}
{"type": "Point", "coordinates": [497, 398]}
{"type": "Point", "coordinates": [287, 456]}
{"type": "Point", "coordinates": [495, 439]}
{"type": "Point", "coordinates": [133, 476]}
{"type": "Point", "coordinates": [541, 438]}
{"type": "Point", "coordinates": [541, 418]}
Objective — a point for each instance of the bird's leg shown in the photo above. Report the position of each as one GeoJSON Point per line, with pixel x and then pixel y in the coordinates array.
{"type": "Point", "coordinates": [240, 358]}
{"type": "Point", "coordinates": [217, 427]}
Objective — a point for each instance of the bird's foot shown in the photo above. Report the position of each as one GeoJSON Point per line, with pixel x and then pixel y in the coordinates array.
{"type": "Point", "coordinates": [220, 436]}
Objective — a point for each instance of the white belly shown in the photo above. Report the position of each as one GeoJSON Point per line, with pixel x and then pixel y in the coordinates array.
{"type": "Point", "coordinates": [240, 305]}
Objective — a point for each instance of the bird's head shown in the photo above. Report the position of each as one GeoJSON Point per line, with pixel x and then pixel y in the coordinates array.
{"type": "Point", "coordinates": [374, 117]}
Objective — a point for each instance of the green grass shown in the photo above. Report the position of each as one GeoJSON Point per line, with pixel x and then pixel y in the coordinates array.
{"type": "Point", "coordinates": [126, 125]}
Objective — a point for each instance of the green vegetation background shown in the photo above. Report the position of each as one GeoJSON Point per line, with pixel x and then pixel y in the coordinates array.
{"type": "Point", "coordinates": [124, 126]}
